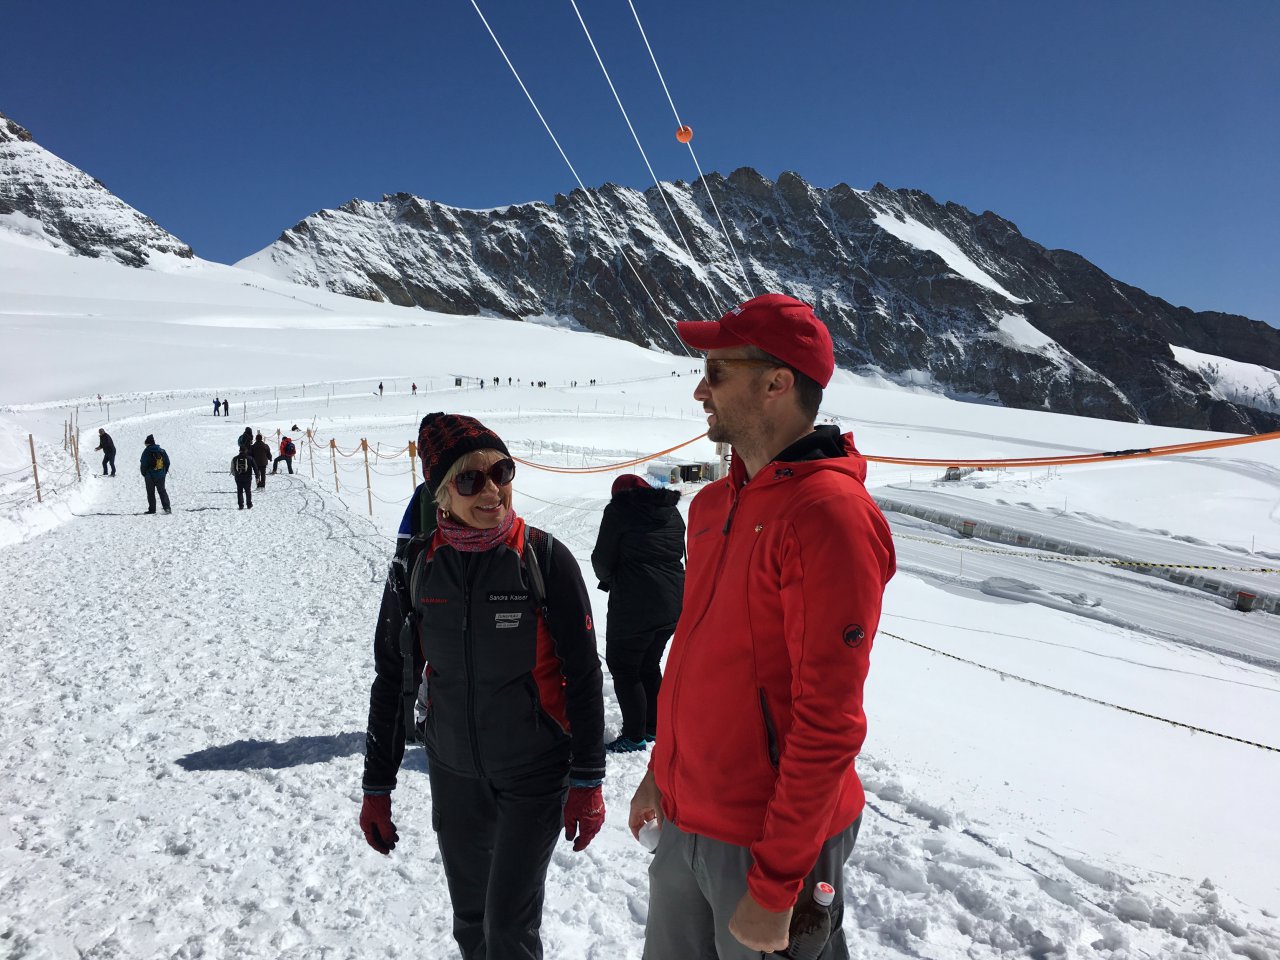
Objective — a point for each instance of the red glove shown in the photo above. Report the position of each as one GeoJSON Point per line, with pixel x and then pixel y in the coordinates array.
{"type": "Point", "coordinates": [375, 821]}
{"type": "Point", "coordinates": [583, 815]}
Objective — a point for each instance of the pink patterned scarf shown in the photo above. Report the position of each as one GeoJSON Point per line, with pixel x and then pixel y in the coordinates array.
{"type": "Point", "coordinates": [469, 539]}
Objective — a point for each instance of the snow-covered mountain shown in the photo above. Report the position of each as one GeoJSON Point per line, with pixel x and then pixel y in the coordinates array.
{"type": "Point", "coordinates": [51, 202]}
{"type": "Point", "coordinates": [927, 293]}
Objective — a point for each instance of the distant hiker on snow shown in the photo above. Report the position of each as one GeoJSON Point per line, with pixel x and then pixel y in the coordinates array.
{"type": "Point", "coordinates": [217, 406]}
{"type": "Point", "coordinates": [495, 614]}
{"type": "Point", "coordinates": [242, 468]}
{"type": "Point", "coordinates": [638, 560]}
{"type": "Point", "coordinates": [287, 450]}
{"type": "Point", "coordinates": [261, 453]}
{"type": "Point", "coordinates": [379, 388]}
{"type": "Point", "coordinates": [414, 389]}
{"type": "Point", "coordinates": [154, 466]}
{"type": "Point", "coordinates": [788, 559]}
{"type": "Point", "coordinates": [226, 408]}
{"type": "Point", "coordinates": [108, 448]}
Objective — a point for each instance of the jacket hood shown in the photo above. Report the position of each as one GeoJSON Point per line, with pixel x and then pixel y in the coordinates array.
{"type": "Point", "coordinates": [646, 498]}
{"type": "Point", "coordinates": [823, 449]}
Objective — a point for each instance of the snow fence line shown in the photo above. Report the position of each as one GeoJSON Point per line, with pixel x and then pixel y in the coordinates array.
{"type": "Point", "coordinates": [1184, 575]}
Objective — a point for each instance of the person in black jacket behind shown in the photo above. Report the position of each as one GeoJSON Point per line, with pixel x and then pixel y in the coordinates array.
{"type": "Point", "coordinates": [638, 560]}
{"type": "Point", "coordinates": [108, 448]}
{"type": "Point", "coordinates": [498, 624]}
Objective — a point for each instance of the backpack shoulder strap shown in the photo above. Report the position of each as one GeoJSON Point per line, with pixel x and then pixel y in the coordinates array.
{"type": "Point", "coordinates": [406, 570]}
{"type": "Point", "coordinates": [537, 558]}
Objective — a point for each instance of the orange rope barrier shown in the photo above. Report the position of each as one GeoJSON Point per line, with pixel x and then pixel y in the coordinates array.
{"type": "Point", "coordinates": [1067, 460]}
{"type": "Point", "coordinates": [611, 467]}
{"type": "Point", "coordinates": [1008, 462]}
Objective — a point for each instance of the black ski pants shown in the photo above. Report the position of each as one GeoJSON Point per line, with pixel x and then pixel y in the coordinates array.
{"type": "Point", "coordinates": [109, 461]}
{"type": "Point", "coordinates": [634, 662]}
{"type": "Point", "coordinates": [496, 838]}
{"type": "Point", "coordinates": [288, 462]}
{"type": "Point", "coordinates": [260, 471]}
{"type": "Point", "coordinates": [153, 487]}
{"type": "Point", "coordinates": [244, 490]}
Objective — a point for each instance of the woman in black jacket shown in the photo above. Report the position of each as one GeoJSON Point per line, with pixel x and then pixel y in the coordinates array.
{"type": "Point", "coordinates": [638, 560]}
{"type": "Point", "coordinates": [498, 624]}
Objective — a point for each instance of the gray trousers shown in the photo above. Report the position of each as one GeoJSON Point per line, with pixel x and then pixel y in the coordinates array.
{"type": "Point", "coordinates": [695, 884]}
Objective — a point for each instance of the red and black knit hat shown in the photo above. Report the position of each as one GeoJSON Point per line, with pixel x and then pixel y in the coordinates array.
{"type": "Point", "coordinates": [444, 437]}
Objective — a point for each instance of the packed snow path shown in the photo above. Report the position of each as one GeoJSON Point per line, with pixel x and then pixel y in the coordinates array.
{"type": "Point", "coordinates": [184, 701]}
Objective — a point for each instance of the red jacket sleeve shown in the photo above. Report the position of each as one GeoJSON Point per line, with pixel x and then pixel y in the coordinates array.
{"type": "Point", "coordinates": [836, 559]}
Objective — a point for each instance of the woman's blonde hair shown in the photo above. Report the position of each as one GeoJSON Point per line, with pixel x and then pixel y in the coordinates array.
{"type": "Point", "coordinates": [467, 461]}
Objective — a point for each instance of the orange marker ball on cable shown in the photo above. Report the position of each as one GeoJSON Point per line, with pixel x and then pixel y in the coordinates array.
{"type": "Point", "coordinates": [684, 134]}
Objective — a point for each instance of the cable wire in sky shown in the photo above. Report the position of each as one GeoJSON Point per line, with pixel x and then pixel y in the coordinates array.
{"type": "Point", "coordinates": [587, 193]}
{"type": "Point", "coordinates": [697, 166]}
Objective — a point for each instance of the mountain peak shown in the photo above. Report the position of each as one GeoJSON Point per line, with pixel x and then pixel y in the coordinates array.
{"type": "Point", "coordinates": [11, 131]}
{"type": "Point", "coordinates": [44, 196]}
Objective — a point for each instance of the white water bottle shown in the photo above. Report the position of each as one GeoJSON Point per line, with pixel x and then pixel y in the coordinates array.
{"type": "Point", "coordinates": [650, 834]}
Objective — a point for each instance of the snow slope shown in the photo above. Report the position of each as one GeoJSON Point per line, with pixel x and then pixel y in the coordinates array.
{"type": "Point", "coordinates": [1234, 380]}
{"type": "Point", "coordinates": [184, 696]}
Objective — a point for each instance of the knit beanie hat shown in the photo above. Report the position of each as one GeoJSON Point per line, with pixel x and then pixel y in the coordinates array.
{"type": "Point", "coordinates": [150, 440]}
{"type": "Point", "coordinates": [444, 437]}
{"type": "Point", "coordinates": [629, 481]}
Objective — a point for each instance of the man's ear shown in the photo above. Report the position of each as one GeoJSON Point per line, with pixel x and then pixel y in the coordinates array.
{"type": "Point", "coordinates": [781, 381]}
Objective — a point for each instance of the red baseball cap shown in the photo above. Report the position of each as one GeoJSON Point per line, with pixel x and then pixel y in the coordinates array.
{"type": "Point", "coordinates": [777, 324]}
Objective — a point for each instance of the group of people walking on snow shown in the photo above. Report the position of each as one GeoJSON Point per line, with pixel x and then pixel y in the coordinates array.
{"type": "Point", "coordinates": [250, 463]}
{"type": "Point", "coordinates": [221, 407]}
{"type": "Point", "coordinates": [751, 782]}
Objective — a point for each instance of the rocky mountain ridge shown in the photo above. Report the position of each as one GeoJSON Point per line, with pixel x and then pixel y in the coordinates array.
{"type": "Point", "coordinates": [916, 290]}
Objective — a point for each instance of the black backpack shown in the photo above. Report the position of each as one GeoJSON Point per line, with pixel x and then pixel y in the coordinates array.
{"type": "Point", "coordinates": [242, 464]}
{"type": "Point", "coordinates": [537, 557]}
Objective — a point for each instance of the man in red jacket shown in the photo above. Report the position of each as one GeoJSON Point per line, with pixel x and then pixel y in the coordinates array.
{"type": "Point", "coordinates": [760, 714]}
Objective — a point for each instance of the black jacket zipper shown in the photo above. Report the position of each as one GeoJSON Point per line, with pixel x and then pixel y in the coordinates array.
{"type": "Point", "coordinates": [469, 653]}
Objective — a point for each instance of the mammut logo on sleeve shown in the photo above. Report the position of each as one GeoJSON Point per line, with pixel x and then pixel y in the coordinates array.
{"type": "Point", "coordinates": [853, 635]}
{"type": "Point", "coordinates": [432, 600]}
{"type": "Point", "coordinates": [506, 621]}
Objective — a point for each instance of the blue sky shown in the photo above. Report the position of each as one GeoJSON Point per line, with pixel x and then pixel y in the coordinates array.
{"type": "Point", "coordinates": [1143, 135]}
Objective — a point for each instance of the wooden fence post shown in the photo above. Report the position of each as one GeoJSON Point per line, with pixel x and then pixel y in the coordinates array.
{"type": "Point", "coordinates": [75, 453]}
{"type": "Point", "coordinates": [333, 455]}
{"type": "Point", "coordinates": [311, 453]}
{"type": "Point", "coordinates": [368, 482]}
{"type": "Point", "coordinates": [35, 470]}
{"type": "Point", "coordinates": [413, 465]}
